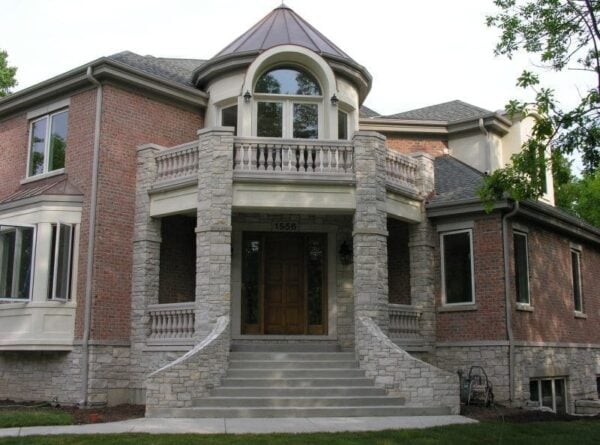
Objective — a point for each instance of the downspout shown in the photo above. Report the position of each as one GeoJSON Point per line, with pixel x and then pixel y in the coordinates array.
{"type": "Point", "coordinates": [507, 301]}
{"type": "Point", "coordinates": [488, 154]}
{"type": "Point", "coordinates": [85, 352]}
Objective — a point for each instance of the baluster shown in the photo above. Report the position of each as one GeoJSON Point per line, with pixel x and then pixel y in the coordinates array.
{"type": "Point", "coordinates": [152, 325]}
{"type": "Point", "coordinates": [159, 324]}
{"type": "Point", "coordinates": [277, 158]}
{"type": "Point", "coordinates": [178, 325]}
{"type": "Point", "coordinates": [270, 161]}
{"type": "Point", "coordinates": [191, 322]}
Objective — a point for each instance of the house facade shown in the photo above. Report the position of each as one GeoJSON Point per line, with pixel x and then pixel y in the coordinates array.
{"type": "Point", "coordinates": [172, 228]}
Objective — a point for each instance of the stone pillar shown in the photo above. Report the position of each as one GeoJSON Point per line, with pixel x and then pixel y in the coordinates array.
{"type": "Point", "coordinates": [213, 231]}
{"type": "Point", "coordinates": [146, 259]}
{"type": "Point", "coordinates": [422, 250]}
{"type": "Point", "coordinates": [370, 230]}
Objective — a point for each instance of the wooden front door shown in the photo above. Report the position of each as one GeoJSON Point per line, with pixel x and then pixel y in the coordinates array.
{"type": "Point", "coordinates": [284, 284]}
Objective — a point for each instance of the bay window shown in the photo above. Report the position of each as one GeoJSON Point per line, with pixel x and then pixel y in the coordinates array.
{"type": "Point", "coordinates": [60, 262]}
{"type": "Point", "coordinates": [288, 104]}
{"type": "Point", "coordinates": [16, 262]}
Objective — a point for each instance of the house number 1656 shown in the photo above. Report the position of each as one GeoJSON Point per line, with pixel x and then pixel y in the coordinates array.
{"type": "Point", "coordinates": [285, 227]}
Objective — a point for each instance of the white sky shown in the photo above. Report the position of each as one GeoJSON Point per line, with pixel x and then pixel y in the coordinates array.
{"type": "Point", "coordinates": [419, 52]}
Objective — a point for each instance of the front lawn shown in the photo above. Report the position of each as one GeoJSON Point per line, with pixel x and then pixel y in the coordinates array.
{"type": "Point", "coordinates": [580, 432]}
{"type": "Point", "coordinates": [34, 417]}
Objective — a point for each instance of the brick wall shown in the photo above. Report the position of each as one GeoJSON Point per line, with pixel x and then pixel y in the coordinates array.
{"type": "Point", "coordinates": [128, 120]}
{"type": "Point", "coordinates": [553, 318]}
{"type": "Point", "coordinates": [13, 153]}
{"type": "Point", "coordinates": [412, 144]}
{"type": "Point", "coordinates": [177, 282]}
{"type": "Point", "coordinates": [488, 321]}
{"type": "Point", "coordinates": [398, 262]}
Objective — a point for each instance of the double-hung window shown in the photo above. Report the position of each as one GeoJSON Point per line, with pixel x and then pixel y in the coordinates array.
{"type": "Point", "coordinates": [47, 143]}
{"type": "Point", "coordinates": [576, 280]}
{"type": "Point", "coordinates": [521, 258]}
{"type": "Point", "coordinates": [16, 262]}
{"type": "Point", "coordinates": [288, 104]}
{"type": "Point", "coordinates": [59, 277]}
{"type": "Point", "coordinates": [457, 267]}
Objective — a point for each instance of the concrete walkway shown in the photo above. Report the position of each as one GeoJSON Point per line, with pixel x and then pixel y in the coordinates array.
{"type": "Point", "coordinates": [243, 426]}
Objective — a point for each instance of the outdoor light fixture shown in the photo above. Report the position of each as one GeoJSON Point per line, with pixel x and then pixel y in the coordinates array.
{"type": "Point", "coordinates": [346, 254]}
{"type": "Point", "coordinates": [334, 100]}
{"type": "Point", "coordinates": [247, 96]}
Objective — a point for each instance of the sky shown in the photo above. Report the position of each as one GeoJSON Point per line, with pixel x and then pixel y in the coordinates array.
{"type": "Point", "coordinates": [419, 52]}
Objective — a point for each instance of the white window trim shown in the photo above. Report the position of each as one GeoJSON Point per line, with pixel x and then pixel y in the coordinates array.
{"type": "Point", "coordinates": [442, 255]}
{"type": "Point", "coordinates": [553, 380]}
{"type": "Point", "coordinates": [287, 101]}
{"type": "Point", "coordinates": [578, 253]}
{"type": "Point", "coordinates": [33, 255]}
{"type": "Point", "coordinates": [520, 304]}
{"type": "Point", "coordinates": [45, 172]}
{"type": "Point", "coordinates": [54, 272]}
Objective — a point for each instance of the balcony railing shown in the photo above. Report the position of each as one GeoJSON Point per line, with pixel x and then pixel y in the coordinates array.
{"type": "Point", "coordinates": [401, 170]}
{"type": "Point", "coordinates": [171, 322]}
{"type": "Point", "coordinates": [177, 162]}
{"type": "Point", "coordinates": [404, 321]}
{"type": "Point", "coordinates": [279, 156]}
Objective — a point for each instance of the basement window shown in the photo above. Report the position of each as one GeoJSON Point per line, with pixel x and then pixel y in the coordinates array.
{"type": "Point", "coordinates": [598, 385]}
{"type": "Point", "coordinates": [549, 393]}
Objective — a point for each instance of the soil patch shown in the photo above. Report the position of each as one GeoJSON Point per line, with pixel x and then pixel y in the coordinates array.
{"type": "Point", "coordinates": [517, 415]}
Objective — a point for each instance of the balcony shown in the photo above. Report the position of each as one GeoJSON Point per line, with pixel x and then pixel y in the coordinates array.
{"type": "Point", "coordinates": [170, 324]}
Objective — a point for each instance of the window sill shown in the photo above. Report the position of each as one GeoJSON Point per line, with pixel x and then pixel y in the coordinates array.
{"type": "Point", "coordinates": [524, 307]}
{"type": "Point", "coordinates": [459, 308]}
{"type": "Point", "coordinates": [39, 177]}
{"type": "Point", "coordinates": [580, 315]}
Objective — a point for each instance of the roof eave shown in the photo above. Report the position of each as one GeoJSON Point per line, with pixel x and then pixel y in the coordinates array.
{"type": "Point", "coordinates": [103, 68]}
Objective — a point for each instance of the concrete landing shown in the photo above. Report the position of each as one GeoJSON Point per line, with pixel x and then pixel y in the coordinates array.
{"type": "Point", "coordinates": [243, 426]}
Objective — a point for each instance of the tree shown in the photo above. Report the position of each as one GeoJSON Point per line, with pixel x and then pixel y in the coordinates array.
{"type": "Point", "coordinates": [565, 36]}
{"type": "Point", "coordinates": [7, 75]}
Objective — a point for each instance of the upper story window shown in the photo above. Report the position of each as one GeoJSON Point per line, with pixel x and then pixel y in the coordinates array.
{"type": "Point", "coordinates": [288, 104]}
{"type": "Point", "coordinates": [47, 143]}
{"type": "Point", "coordinates": [457, 267]}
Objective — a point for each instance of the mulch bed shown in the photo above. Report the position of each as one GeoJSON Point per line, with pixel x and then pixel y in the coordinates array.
{"type": "Point", "coordinates": [83, 415]}
{"type": "Point", "coordinates": [517, 415]}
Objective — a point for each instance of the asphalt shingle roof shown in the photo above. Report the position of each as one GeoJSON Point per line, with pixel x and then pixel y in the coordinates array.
{"type": "Point", "coordinates": [455, 180]}
{"type": "Point", "coordinates": [176, 70]}
{"type": "Point", "coordinates": [367, 112]}
{"type": "Point", "coordinates": [454, 111]}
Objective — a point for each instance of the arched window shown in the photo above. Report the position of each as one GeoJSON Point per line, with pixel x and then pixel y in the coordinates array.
{"type": "Point", "coordinates": [288, 104]}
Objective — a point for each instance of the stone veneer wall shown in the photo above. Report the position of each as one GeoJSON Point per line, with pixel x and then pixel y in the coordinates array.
{"type": "Point", "coordinates": [402, 374]}
{"type": "Point", "coordinates": [579, 365]}
{"type": "Point", "coordinates": [193, 375]}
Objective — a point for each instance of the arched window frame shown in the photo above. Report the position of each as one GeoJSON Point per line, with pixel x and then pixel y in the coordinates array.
{"type": "Point", "coordinates": [288, 101]}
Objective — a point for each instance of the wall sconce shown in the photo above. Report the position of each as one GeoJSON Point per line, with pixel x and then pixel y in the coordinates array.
{"type": "Point", "coordinates": [247, 96]}
{"type": "Point", "coordinates": [346, 253]}
{"type": "Point", "coordinates": [334, 100]}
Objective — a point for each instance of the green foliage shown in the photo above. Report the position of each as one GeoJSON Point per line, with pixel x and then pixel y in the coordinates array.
{"type": "Point", "coordinates": [7, 75]}
{"type": "Point", "coordinates": [33, 417]}
{"type": "Point", "coordinates": [564, 34]}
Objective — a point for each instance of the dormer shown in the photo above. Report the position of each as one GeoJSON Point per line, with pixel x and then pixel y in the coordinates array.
{"type": "Point", "coordinates": [284, 79]}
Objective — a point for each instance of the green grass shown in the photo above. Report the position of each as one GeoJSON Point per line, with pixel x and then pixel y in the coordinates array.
{"type": "Point", "coordinates": [492, 433]}
{"type": "Point", "coordinates": [34, 417]}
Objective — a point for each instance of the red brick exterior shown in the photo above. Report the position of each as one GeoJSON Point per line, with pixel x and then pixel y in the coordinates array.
{"type": "Point", "coordinates": [488, 321]}
{"type": "Point", "coordinates": [435, 146]}
{"type": "Point", "coordinates": [398, 262]}
{"type": "Point", "coordinates": [13, 153]}
{"type": "Point", "coordinates": [177, 281]}
{"type": "Point", "coordinates": [553, 316]}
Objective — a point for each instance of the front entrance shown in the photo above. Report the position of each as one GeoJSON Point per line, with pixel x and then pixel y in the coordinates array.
{"type": "Point", "coordinates": [284, 283]}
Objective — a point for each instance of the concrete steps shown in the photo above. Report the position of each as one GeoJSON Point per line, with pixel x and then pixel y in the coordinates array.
{"type": "Point", "coordinates": [304, 379]}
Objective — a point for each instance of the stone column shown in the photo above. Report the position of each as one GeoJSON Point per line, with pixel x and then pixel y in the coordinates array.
{"type": "Point", "coordinates": [422, 250]}
{"type": "Point", "coordinates": [370, 230]}
{"type": "Point", "coordinates": [146, 259]}
{"type": "Point", "coordinates": [213, 231]}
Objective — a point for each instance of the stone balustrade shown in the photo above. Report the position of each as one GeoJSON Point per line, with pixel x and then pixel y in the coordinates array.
{"type": "Point", "coordinates": [171, 322]}
{"type": "Point", "coordinates": [177, 162]}
{"type": "Point", "coordinates": [315, 157]}
{"type": "Point", "coordinates": [404, 321]}
{"type": "Point", "coordinates": [401, 171]}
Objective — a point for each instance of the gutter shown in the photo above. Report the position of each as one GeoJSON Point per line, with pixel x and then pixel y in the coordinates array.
{"type": "Point", "coordinates": [507, 303]}
{"type": "Point", "coordinates": [85, 352]}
